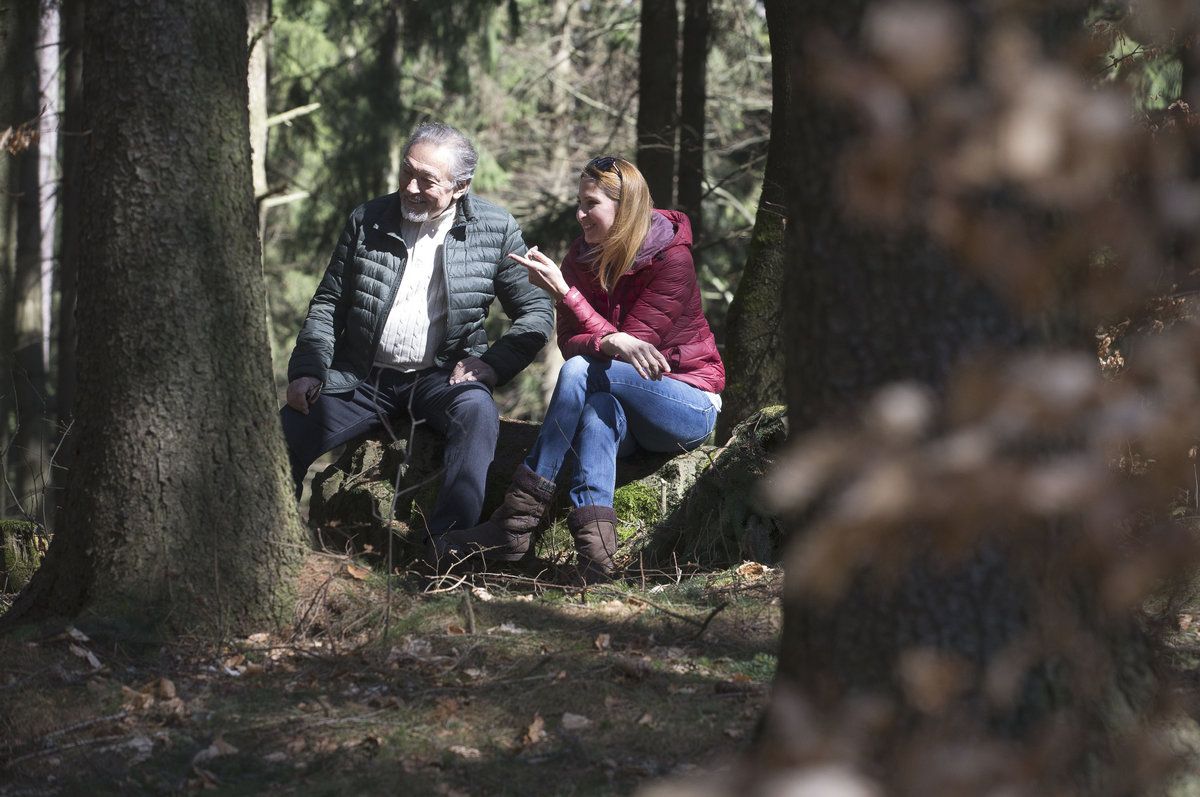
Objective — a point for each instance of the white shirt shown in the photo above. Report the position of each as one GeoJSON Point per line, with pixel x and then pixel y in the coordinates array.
{"type": "Point", "coordinates": [416, 323]}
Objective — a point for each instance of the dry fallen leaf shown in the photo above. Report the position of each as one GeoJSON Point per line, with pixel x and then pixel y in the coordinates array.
{"type": "Point", "coordinates": [164, 688]}
{"type": "Point", "coordinates": [479, 593]}
{"type": "Point", "coordinates": [360, 573]}
{"type": "Point", "coordinates": [455, 629]}
{"type": "Point", "coordinates": [218, 748]}
{"type": "Point", "coordinates": [466, 752]}
{"type": "Point", "coordinates": [76, 634]}
{"type": "Point", "coordinates": [752, 570]}
{"type": "Point", "coordinates": [646, 719]}
{"type": "Point", "coordinates": [602, 641]}
{"type": "Point", "coordinates": [536, 731]}
{"type": "Point", "coordinates": [84, 653]}
{"type": "Point", "coordinates": [574, 722]}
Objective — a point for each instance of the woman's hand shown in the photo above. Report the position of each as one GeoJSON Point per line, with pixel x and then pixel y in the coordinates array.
{"type": "Point", "coordinates": [648, 361]}
{"type": "Point", "coordinates": [543, 272]}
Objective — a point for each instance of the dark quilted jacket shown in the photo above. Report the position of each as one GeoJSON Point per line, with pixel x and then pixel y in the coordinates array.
{"type": "Point", "coordinates": [657, 300]}
{"type": "Point", "coordinates": [337, 342]}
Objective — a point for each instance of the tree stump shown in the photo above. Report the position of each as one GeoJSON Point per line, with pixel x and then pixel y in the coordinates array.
{"type": "Point", "coordinates": [696, 508]}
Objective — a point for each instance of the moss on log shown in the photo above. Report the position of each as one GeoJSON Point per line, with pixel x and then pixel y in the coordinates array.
{"type": "Point", "coordinates": [23, 546]}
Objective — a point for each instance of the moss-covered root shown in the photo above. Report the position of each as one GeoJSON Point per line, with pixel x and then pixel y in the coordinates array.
{"type": "Point", "coordinates": [23, 546]}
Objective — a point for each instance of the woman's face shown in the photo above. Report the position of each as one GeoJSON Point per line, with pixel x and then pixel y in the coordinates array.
{"type": "Point", "coordinates": [596, 211]}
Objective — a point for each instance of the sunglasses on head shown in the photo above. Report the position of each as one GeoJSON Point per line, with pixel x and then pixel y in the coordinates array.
{"type": "Point", "coordinates": [605, 163]}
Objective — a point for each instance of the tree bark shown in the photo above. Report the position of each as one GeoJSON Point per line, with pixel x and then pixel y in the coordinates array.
{"type": "Point", "coordinates": [658, 117]}
{"type": "Point", "coordinates": [179, 513]}
{"type": "Point", "coordinates": [692, 97]}
{"type": "Point", "coordinates": [754, 342]}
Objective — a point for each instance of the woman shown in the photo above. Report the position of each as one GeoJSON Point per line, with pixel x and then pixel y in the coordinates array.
{"type": "Point", "coordinates": [642, 368]}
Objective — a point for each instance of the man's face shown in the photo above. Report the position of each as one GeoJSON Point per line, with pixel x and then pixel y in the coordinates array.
{"type": "Point", "coordinates": [426, 188]}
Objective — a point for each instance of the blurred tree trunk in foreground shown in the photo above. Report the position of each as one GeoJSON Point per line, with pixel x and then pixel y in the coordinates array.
{"type": "Point", "coordinates": [658, 84]}
{"type": "Point", "coordinates": [179, 513]}
{"type": "Point", "coordinates": [754, 342]}
{"type": "Point", "coordinates": [919, 651]}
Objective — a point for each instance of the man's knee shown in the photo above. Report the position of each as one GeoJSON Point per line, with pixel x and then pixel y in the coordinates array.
{"type": "Point", "coordinates": [474, 413]}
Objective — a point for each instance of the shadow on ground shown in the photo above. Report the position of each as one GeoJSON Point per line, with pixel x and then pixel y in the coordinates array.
{"type": "Point", "coordinates": [493, 689]}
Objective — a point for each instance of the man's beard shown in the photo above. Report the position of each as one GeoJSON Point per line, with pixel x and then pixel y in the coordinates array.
{"type": "Point", "coordinates": [415, 216]}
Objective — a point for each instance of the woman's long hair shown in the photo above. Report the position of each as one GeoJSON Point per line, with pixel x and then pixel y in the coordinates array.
{"type": "Point", "coordinates": [621, 181]}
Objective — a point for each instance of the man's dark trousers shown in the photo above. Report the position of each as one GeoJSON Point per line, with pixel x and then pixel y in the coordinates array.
{"type": "Point", "coordinates": [464, 413]}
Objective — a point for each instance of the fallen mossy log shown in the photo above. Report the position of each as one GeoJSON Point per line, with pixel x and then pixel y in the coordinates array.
{"type": "Point", "coordinates": [697, 508]}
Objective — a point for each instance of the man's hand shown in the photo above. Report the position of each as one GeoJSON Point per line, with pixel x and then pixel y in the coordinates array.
{"type": "Point", "coordinates": [648, 361]}
{"type": "Point", "coordinates": [473, 369]}
{"type": "Point", "coordinates": [302, 392]}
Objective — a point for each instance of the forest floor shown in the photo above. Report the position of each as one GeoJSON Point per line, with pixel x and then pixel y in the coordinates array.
{"type": "Point", "coordinates": [507, 687]}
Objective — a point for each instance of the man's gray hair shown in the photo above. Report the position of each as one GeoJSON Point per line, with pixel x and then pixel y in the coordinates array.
{"type": "Point", "coordinates": [465, 158]}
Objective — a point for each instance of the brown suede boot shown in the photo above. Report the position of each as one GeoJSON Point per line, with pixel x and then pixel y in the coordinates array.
{"type": "Point", "coordinates": [595, 531]}
{"type": "Point", "coordinates": [504, 537]}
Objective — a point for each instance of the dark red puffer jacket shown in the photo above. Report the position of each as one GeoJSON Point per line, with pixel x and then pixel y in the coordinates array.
{"type": "Point", "coordinates": [657, 300]}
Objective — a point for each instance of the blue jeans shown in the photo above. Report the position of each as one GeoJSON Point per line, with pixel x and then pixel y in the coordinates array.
{"type": "Point", "coordinates": [464, 413]}
{"type": "Point", "coordinates": [601, 410]}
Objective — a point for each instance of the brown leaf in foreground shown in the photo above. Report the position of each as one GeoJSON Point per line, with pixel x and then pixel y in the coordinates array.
{"type": "Point", "coordinates": [536, 731]}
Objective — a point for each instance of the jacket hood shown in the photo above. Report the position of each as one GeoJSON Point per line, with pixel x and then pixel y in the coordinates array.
{"type": "Point", "coordinates": [667, 228]}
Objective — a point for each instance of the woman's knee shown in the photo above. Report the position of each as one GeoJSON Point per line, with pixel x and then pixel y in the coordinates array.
{"type": "Point", "coordinates": [576, 369]}
{"type": "Point", "coordinates": [605, 409]}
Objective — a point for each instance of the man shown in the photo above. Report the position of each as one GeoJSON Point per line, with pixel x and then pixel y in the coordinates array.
{"type": "Point", "coordinates": [396, 325]}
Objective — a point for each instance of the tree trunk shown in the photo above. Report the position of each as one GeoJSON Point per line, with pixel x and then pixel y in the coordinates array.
{"type": "Point", "coordinates": [258, 13]}
{"type": "Point", "coordinates": [564, 175]}
{"type": "Point", "coordinates": [71, 205]}
{"type": "Point", "coordinates": [692, 96]}
{"type": "Point", "coordinates": [49, 103]}
{"type": "Point", "coordinates": [658, 119]}
{"type": "Point", "coordinates": [27, 457]}
{"type": "Point", "coordinates": [8, 88]}
{"type": "Point", "coordinates": [868, 308]}
{"type": "Point", "coordinates": [179, 513]}
{"type": "Point", "coordinates": [754, 342]}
